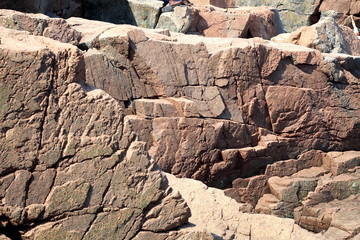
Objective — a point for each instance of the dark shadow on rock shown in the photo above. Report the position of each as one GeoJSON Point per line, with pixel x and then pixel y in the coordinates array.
{"type": "Point", "coordinates": [198, 25]}
{"type": "Point", "coordinates": [278, 21]}
{"type": "Point", "coordinates": [9, 230]}
{"type": "Point", "coordinates": [118, 12]}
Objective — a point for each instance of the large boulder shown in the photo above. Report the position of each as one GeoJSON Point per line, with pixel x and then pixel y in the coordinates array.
{"type": "Point", "coordinates": [178, 20]}
{"type": "Point", "coordinates": [244, 22]}
{"type": "Point", "coordinates": [326, 36]}
{"type": "Point", "coordinates": [294, 14]}
{"type": "Point", "coordinates": [146, 13]}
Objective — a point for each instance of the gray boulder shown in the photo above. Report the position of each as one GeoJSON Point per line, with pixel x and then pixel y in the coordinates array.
{"type": "Point", "coordinates": [177, 21]}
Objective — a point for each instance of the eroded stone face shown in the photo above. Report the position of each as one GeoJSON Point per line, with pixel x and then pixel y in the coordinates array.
{"type": "Point", "coordinates": [61, 161]}
{"type": "Point", "coordinates": [338, 38]}
{"type": "Point", "coordinates": [85, 127]}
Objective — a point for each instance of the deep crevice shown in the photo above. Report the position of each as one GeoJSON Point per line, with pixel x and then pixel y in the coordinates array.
{"type": "Point", "coordinates": [8, 229]}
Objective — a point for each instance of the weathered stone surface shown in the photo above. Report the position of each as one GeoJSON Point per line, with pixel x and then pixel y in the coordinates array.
{"type": "Point", "coordinates": [326, 36]}
{"type": "Point", "coordinates": [217, 3]}
{"type": "Point", "coordinates": [89, 179]}
{"type": "Point", "coordinates": [338, 214]}
{"type": "Point", "coordinates": [179, 135]}
{"type": "Point", "coordinates": [68, 197]}
{"type": "Point", "coordinates": [232, 84]}
{"type": "Point", "coordinates": [169, 107]}
{"type": "Point", "coordinates": [34, 88]}
{"type": "Point", "coordinates": [248, 190]}
{"type": "Point", "coordinates": [339, 187]}
{"type": "Point", "coordinates": [38, 24]}
{"type": "Point", "coordinates": [344, 6]}
{"type": "Point", "coordinates": [224, 109]}
{"type": "Point", "coordinates": [320, 195]}
{"type": "Point", "coordinates": [294, 14]}
{"type": "Point", "coordinates": [340, 162]}
{"type": "Point", "coordinates": [290, 191]}
{"type": "Point", "coordinates": [40, 186]}
{"type": "Point", "coordinates": [70, 228]}
{"type": "Point", "coordinates": [179, 20]}
{"type": "Point", "coordinates": [244, 22]}
{"type": "Point", "coordinates": [119, 224]}
{"type": "Point", "coordinates": [159, 219]}
{"type": "Point", "coordinates": [111, 79]}
{"type": "Point", "coordinates": [16, 192]}
{"type": "Point", "coordinates": [146, 13]}
{"type": "Point", "coordinates": [176, 235]}
{"type": "Point", "coordinates": [289, 167]}
{"type": "Point", "coordinates": [213, 211]}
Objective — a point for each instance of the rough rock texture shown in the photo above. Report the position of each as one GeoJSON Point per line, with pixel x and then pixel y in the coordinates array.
{"type": "Point", "coordinates": [275, 124]}
{"type": "Point", "coordinates": [205, 82]}
{"type": "Point", "coordinates": [322, 196]}
{"type": "Point", "coordinates": [62, 161]}
{"type": "Point", "coordinates": [295, 14]}
{"type": "Point", "coordinates": [326, 36]}
{"type": "Point", "coordinates": [146, 13]}
{"type": "Point", "coordinates": [242, 22]}
{"type": "Point", "coordinates": [344, 6]}
{"type": "Point", "coordinates": [38, 24]}
{"type": "Point", "coordinates": [213, 211]}
{"type": "Point", "coordinates": [178, 20]}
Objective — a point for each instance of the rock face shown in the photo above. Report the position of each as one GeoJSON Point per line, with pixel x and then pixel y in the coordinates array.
{"type": "Point", "coordinates": [61, 158]}
{"type": "Point", "coordinates": [242, 22]}
{"type": "Point", "coordinates": [84, 134]}
{"type": "Point", "coordinates": [40, 25]}
{"type": "Point", "coordinates": [203, 20]}
{"type": "Point", "coordinates": [214, 212]}
{"type": "Point", "coordinates": [146, 13]}
{"type": "Point", "coordinates": [296, 14]}
{"type": "Point", "coordinates": [179, 20]}
{"type": "Point", "coordinates": [326, 36]}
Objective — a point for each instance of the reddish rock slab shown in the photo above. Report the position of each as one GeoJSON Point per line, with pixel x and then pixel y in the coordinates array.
{"type": "Point", "coordinates": [245, 22]}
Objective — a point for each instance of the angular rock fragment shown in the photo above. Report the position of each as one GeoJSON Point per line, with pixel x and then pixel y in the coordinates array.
{"type": "Point", "coordinates": [178, 20]}
{"type": "Point", "coordinates": [38, 24]}
{"type": "Point", "coordinates": [145, 13]}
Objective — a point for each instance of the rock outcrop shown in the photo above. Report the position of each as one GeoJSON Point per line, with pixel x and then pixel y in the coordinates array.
{"type": "Point", "coordinates": [85, 131]}
{"type": "Point", "coordinates": [296, 14]}
{"type": "Point", "coordinates": [213, 212]}
{"type": "Point", "coordinates": [326, 36]}
{"type": "Point", "coordinates": [62, 161]}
